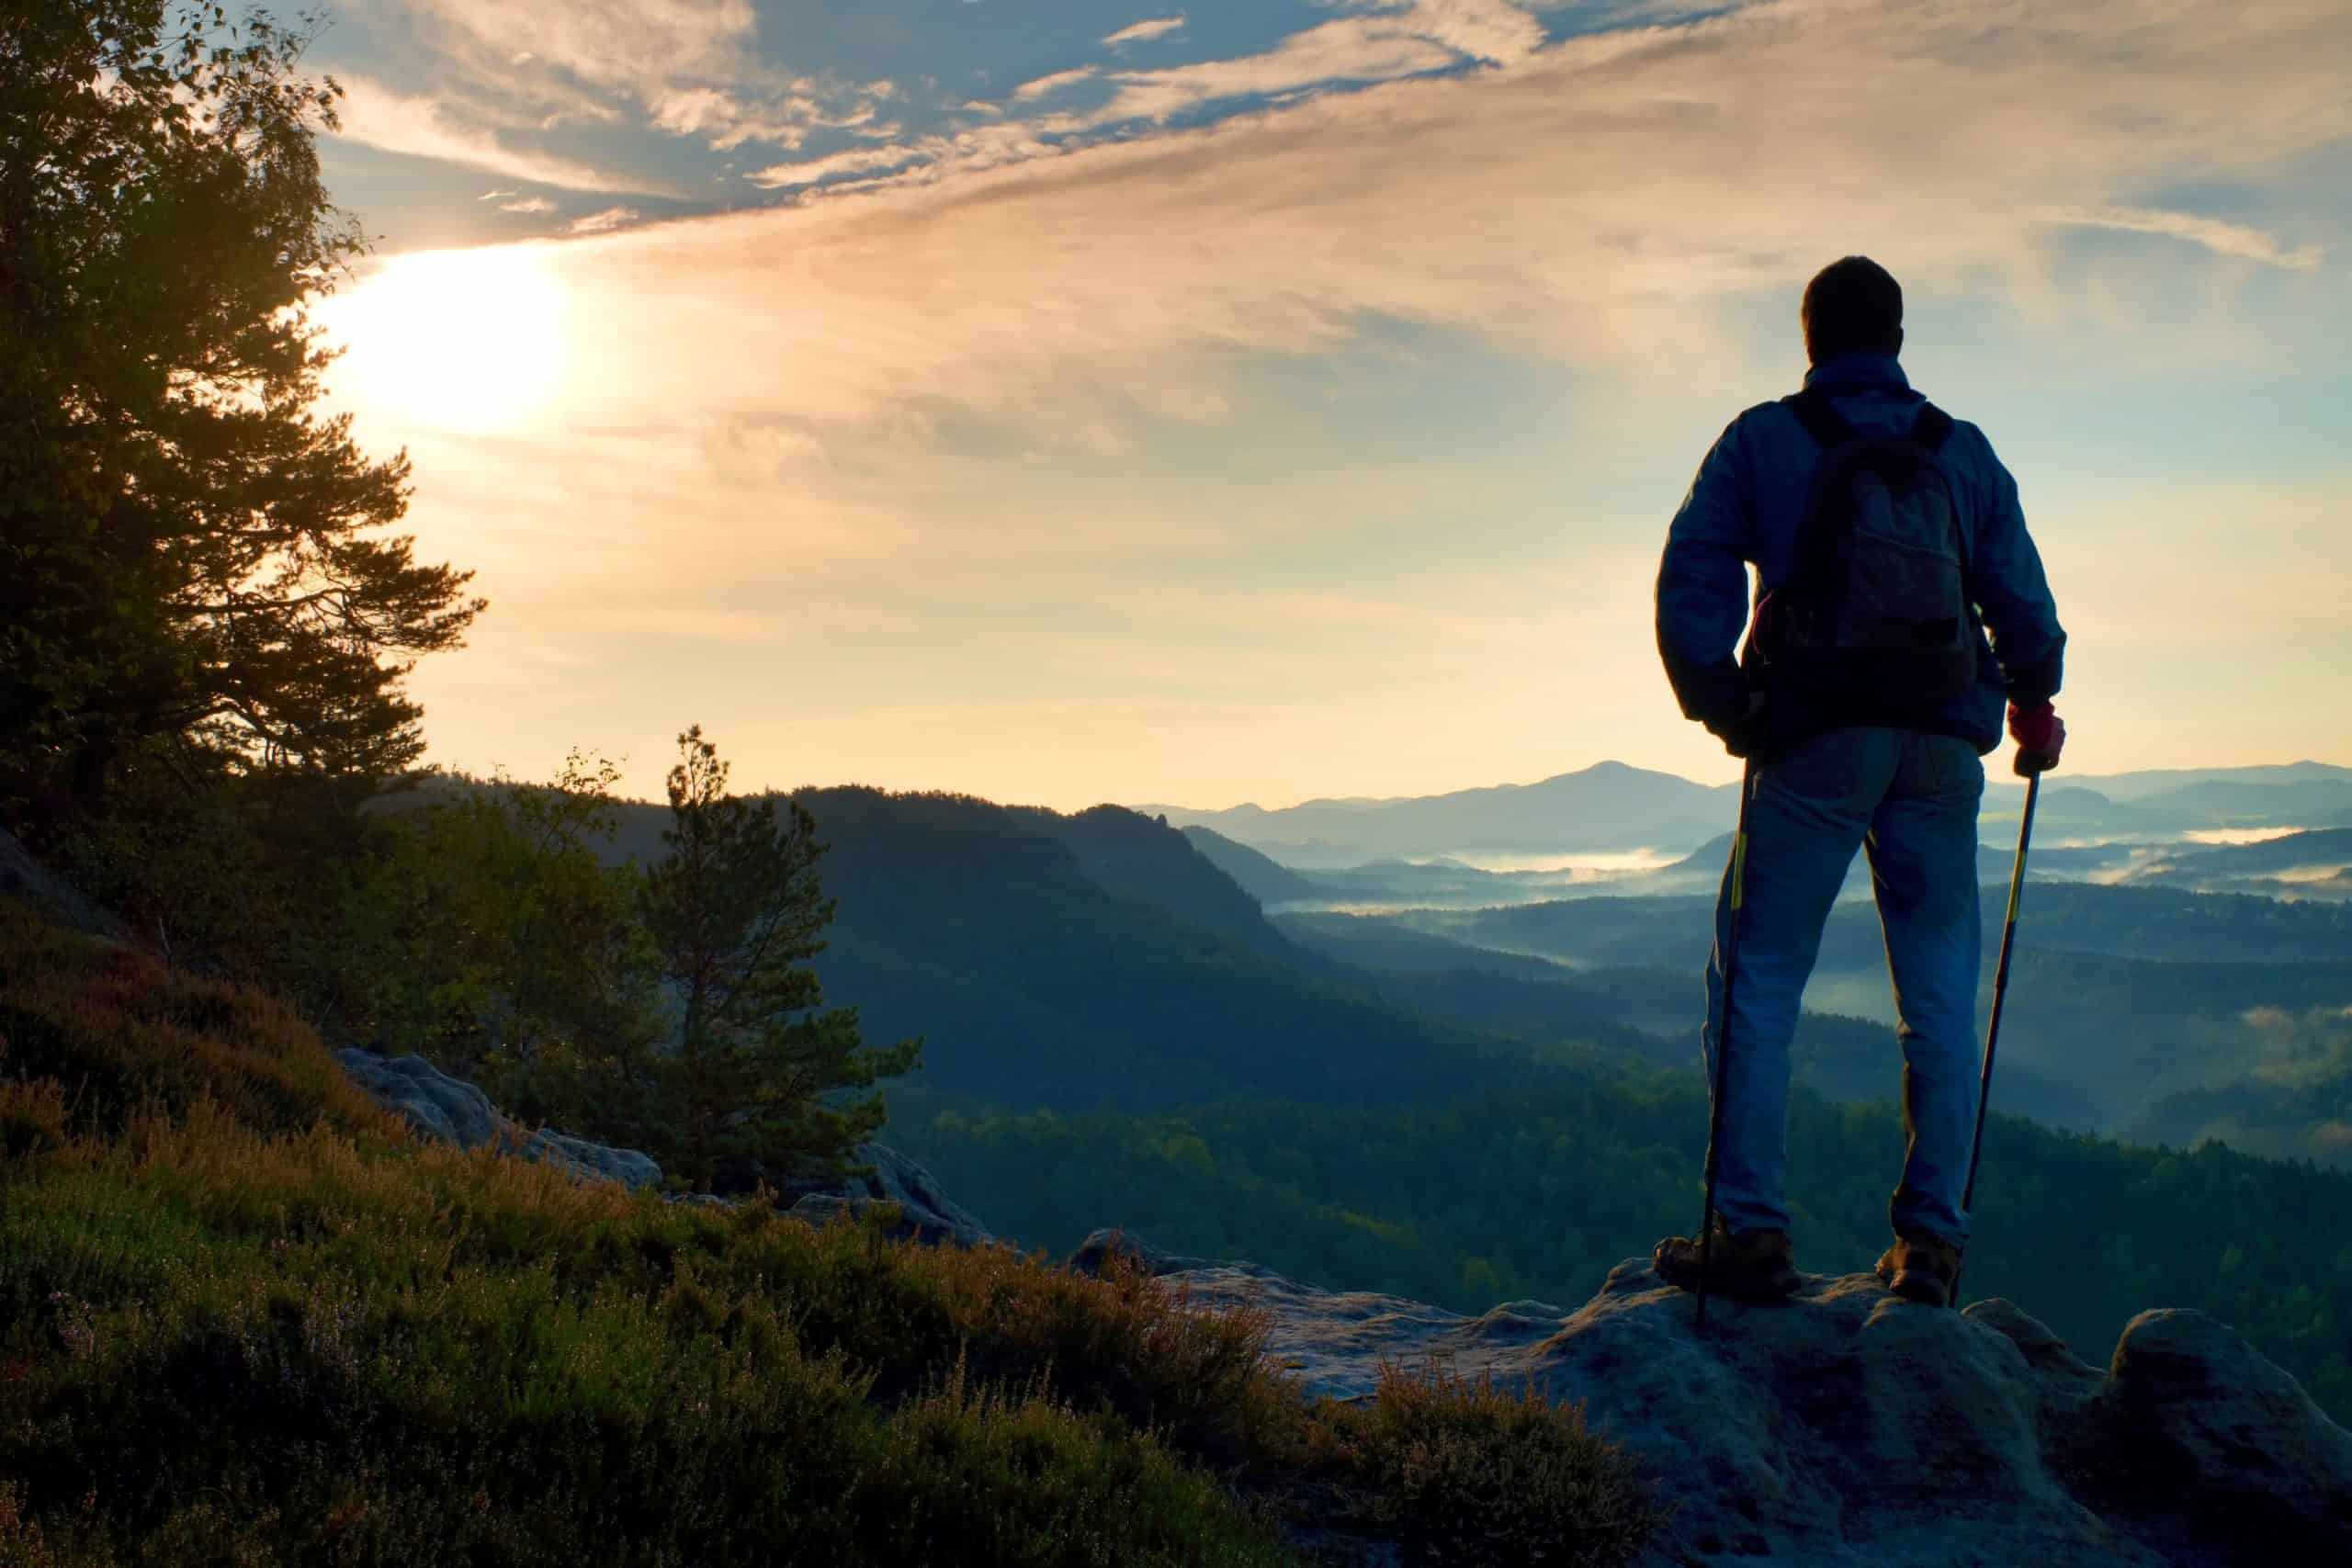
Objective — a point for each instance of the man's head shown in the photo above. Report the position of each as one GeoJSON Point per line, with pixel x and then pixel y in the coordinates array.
{"type": "Point", "coordinates": [1852, 306]}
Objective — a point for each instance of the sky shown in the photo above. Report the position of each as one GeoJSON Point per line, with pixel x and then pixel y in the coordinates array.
{"type": "Point", "coordinates": [1069, 401]}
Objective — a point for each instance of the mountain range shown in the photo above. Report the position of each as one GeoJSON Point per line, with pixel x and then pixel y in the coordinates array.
{"type": "Point", "coordinates": [1613, 808]}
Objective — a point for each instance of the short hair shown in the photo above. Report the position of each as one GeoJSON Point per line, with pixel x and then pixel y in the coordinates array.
{"type": "Point", "coordinates": [1853, 305]}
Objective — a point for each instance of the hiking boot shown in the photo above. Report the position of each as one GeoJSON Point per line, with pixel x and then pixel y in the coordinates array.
{"type": "Point", "coordinates": [1920, 1268]}
{"type": "Point", "coordinates": [1753, 1266]}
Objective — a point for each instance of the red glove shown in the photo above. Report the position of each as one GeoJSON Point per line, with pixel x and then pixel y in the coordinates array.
{"type": "Point", "coordinates": [2040, 736]}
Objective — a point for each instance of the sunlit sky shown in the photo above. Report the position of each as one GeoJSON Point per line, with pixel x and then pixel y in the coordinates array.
{"type": "Point", "coordinates": [1066, 401]}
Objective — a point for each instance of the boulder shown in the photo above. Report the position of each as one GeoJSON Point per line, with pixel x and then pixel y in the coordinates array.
{"type": "Point", "coordinates": [454, 1112]}
{"type": "Point", "coordinates": [1849, 1427]}
{"type": "Point", "coordinates": [926, 1213]}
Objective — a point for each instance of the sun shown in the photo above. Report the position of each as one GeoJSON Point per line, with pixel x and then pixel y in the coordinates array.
{"type": "Point", "coordinates": [459, 341]}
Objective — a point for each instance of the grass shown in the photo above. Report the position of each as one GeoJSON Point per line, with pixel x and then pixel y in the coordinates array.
{"type": "Point", "coordinates": [246, 1319]}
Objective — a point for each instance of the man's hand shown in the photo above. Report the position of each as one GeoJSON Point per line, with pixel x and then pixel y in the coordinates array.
{"type": "Point", "coordinates": [1744, 732]}
{"type": "Point", "coordinates": [2040, 736]}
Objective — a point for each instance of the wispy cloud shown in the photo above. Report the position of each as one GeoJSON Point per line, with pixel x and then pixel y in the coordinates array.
{"type": "Point", "coordinates": [2220, 238]}
{"type": "Point", "coordinates": [779, 117]}
{"type": "Point", "coordinates": [1347, 50]}
{"type": "Point", "coordinates": [375, 116]}
{"type": "Point", "coordinates": [534, 205]}
{"type": "Point", "coordinates": [1144, 32]}
{"type": "Point", "coordinates": [642, 46]}
{"type": "Point", "coordinates": [813, 171]}
{"type": "Point", "coordinates": [1497, 30]}
{"type": "Point", "coordinates": [1055, 83]}
{"type": "Point", "coordinates": [688, 67]}
{"type": "Point", "coordinates": [1498, 204]}
{"type": "Point", "coordinates": [604, 222]}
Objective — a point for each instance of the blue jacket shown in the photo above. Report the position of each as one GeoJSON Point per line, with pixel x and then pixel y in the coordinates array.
{"type": "Point", "coordinates": [1746, 506]}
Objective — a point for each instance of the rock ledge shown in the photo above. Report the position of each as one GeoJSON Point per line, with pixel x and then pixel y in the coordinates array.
{"type": "Point", "coordinates": [1849, 1427]}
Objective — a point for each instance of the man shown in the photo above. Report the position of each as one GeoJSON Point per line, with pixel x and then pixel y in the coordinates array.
{"type": "Point", "coordinates": [1864, 711]}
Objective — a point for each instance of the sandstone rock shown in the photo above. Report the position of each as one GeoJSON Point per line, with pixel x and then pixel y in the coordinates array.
{"type": "Point", "coordinates": [2193, 1426]}
{"type": "Point", "coordinates": [455, 1111]}
{"type": "Point", "coordinates": [926, 1213]}
{"type": "Point", "coordinates": [1848, 1427]}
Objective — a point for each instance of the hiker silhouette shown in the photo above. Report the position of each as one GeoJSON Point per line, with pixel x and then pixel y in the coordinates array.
{"type": "Point", "coordinates": [1900, 605]}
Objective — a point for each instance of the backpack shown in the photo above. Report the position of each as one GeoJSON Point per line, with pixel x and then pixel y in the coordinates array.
{"type": "Point", "coordinates": [1876, 620]}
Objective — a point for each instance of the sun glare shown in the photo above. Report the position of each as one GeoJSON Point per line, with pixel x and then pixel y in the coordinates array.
{"type": "Point", "coordinates": [452, 340]}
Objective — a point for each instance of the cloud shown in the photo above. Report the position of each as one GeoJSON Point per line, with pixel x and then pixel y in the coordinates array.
{"type": "Point", "coordinates": [532, 205]}
{"type": "Point", "coordinates": [604, 222]}
{"type": "Point", "coordinates": [850, 161]}
{"type": "Point", "coordinates": [1392, 41]}
{"type": "Point", "coordinates": [1351, 49]}
{"type": "Point", "coordinates": [1003, 273]}
{"type": "Point", "coordinates": [2220, 238]}
{"type": "Point", "coordinates": [493, 195]}
{"type": "Point", "coordinates": [1055, 83]}
{"type": "Point", "coordinates": [931, 161]}
{"type": "Point", "coordinates": [813, 397]}
{"type": "Point", "coordinates": [783, 117]}
{"type": "Point", "coordinates": [692, 66]}
{"type": "Point", "coordinates": [1144, 32]}
{"type": "Point", "coordinates": [1493, 31]}
{"type": "Point", "coordinates": [376, 115]}
{"type": "Point", "coordinates": [1386, 40]}
{"type": "Point", "coordinates": [642, 46]}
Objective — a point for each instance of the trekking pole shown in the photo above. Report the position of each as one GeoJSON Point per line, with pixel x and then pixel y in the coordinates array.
{"type": "Point", "coordinates": [2032, 768]}
{"type": "Point", "coordinates": [1722, 1032]}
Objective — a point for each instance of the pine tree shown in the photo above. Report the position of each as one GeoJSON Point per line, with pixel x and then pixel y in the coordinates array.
{"type": "Point", "coordinates": [756, 1073]}
{"type": "Point", "coordinates": [190, 555]}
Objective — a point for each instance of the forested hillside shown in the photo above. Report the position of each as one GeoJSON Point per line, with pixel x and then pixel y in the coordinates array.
{"type": "Point", "coordinates": [1146, 859]}
{"type": "Point", "coordinates": [1031, 983]}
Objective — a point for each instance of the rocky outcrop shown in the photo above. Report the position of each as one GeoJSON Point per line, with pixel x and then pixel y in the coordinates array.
{"type": "Point", "coordinates": [1846, 1426]}
{"type": "Point", "coordinates": [455, 1111]}
{"type": "Point", "coordinates": [926, 1213]}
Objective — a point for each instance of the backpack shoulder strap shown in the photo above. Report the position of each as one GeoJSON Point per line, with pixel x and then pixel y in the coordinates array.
{"type": "Point", "coordinates": [1932, 428]}
{"type": "Point", "coordinates": [1821, 421]}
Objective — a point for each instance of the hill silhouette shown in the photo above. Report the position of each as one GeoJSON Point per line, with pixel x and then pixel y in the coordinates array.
{"type": "Point", "coordinates": [1611, 807]}
{"type": "Point", "coordinates": [1258, 874]}
{"type": "Point", "coordinates": [1136, 857]}
{"type": "Point", "coordinates": [1063, 962]}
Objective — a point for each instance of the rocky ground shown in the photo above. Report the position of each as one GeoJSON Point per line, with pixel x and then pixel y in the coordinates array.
{"type": "Point", "coordinates": [1849, 1427]}
{"type": "Point", "coordinates": [1843, 1427]}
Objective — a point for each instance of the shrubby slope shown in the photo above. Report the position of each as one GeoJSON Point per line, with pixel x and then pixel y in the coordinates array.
{"type": "Point", "coordinates": [245, 1317]}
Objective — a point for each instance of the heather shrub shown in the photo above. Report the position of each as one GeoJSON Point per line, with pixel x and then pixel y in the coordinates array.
{"type": "Point", "coordinates": [247, 1318]}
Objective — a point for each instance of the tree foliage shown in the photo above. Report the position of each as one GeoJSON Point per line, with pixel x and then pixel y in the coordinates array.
{"type": "Point", "coordinates": [190, 549]}
{"type": "Point", "coordinates": [482, 926]}
{"type": "Point", "coordinates": [735, 911]}
{"type": "Point", "coordinates": [494, 927]}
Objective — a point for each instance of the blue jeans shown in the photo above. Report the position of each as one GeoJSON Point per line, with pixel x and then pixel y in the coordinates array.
{"type": "Point", "coordinates": [1910, 799]}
